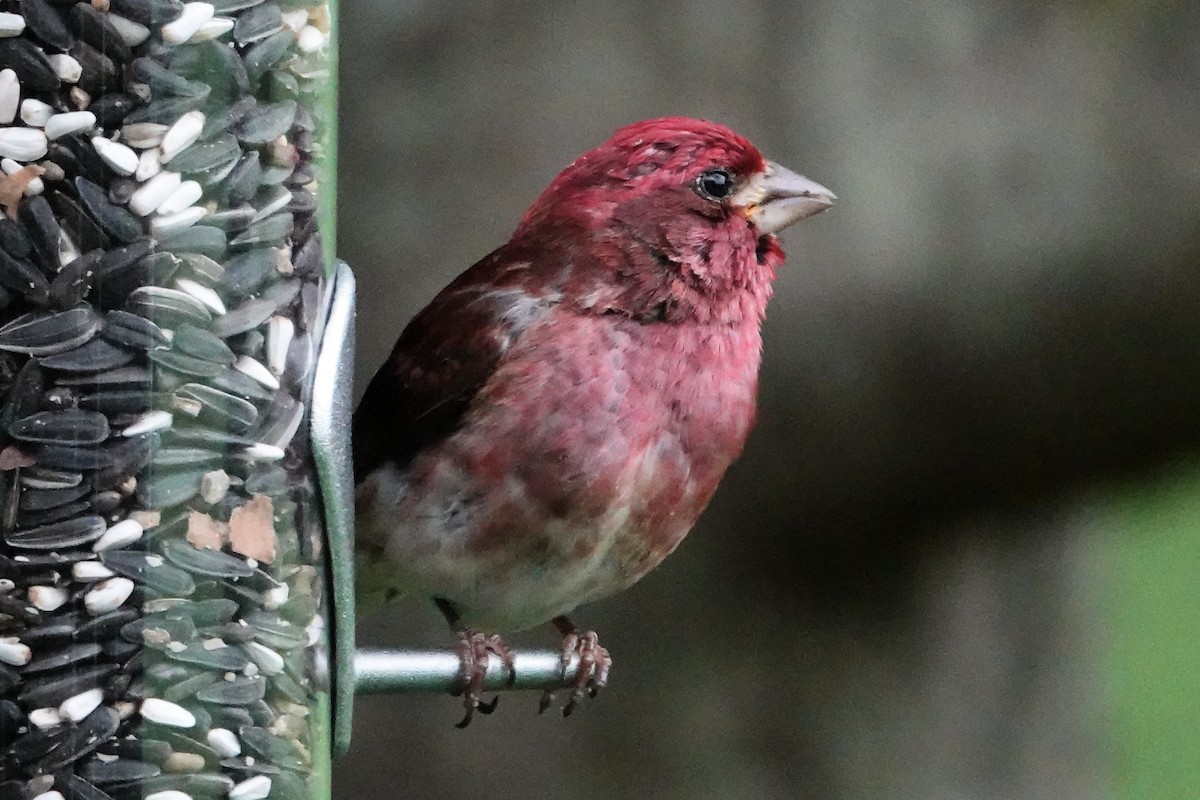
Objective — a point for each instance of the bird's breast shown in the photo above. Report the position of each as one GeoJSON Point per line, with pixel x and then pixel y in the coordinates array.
{"type": "Point", "coordinates": [583, 463]}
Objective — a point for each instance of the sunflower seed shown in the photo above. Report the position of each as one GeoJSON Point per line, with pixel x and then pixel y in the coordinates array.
{"type": "Point", "coordinates": [11, 24]}
{"type": "Point", "coordinates": [181, 135]}
{"type": "Point", "coordinates": [153, 192]}
{"type": "Point", "coordinates": [22, 144]}
{"type": "Point", "coordinates": [193, 18]}
{"type": "Point", "coordinates": [107, 595]}
{"type": "Point", "coordinates": [68, 425]}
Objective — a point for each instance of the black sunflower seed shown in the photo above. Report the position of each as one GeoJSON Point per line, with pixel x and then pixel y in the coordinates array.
{"type": "Point", "coordinates": [150, 570]}
{"type": "Point", "coordinates": [118, 770]}
{"type": "Point", "coordinates": [169, 108]}
{"type": "Point", "coordinates": [59, 535]}
{"type": "Point", "coordinates": [119, 222]}
{"type": "Point", "coordinates": [99, 73]}
{"type": "Point", "coordinates": [46, 24]}
{"type": "Point", "coordinates": [241, 691]}
{"type": "Point", "coordinates": [227, 659]}
{"type": "Point", "coordinates": [57, 659]}
{"type": "Point", "coordinates": [206, 562]}
{"type": "Point", "coordinates": [111, 109]}
{"type": "Point", "coordinates": [96, 355]}
{"type": "Point", "coordinates": [23, 57]}
{"type": "Point", "coordinates": [265, 54]}
{"type": "Point", "coordinates": [53, 690]}
{"type": "Point", "coordinates": [74, 281]}
{"type": "Point", "coordinates": [46, 333]}
{"type": "Point", "coordinates": [42, 228]}
{"type": "Point", "coordinates": [74, 787]}
{"type": "Point", "coordinates": [169, 308]}
{"type": "Point", "coordinates": [77, 223]}
{"type": "Point", "coordinates": [93, 27]}
{"type": "Point", "coordinates": [207, 155]}
{"type": "Point", "coordinates": [203, 239]}
{"type": "Point", "coordinates": [41, 499]}
{"type": "Point", "coordinates": [133, 331]}
{"type": "Point", "coordinates": [151, 13]}
{"type": "Point", "coordinates": [203, 344]}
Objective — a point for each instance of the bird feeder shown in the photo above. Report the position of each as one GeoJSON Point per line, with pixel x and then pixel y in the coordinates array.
{"type": "Point", "coordinates": [176, 364]}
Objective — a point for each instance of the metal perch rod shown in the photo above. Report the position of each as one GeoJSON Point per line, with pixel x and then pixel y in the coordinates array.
{"type": "Point", "coordinates": [417, 671]}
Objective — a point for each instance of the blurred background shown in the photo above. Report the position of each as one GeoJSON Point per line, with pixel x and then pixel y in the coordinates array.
{"type": "Point", "coordinates": [958, 557]}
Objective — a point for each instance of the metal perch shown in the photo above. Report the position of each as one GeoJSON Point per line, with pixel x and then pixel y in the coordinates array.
{"type": "Point", "coordinates": [418, 671]}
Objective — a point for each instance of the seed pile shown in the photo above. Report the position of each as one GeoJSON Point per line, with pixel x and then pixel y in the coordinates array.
{"type": "Point", "coordinates": [160, 300]}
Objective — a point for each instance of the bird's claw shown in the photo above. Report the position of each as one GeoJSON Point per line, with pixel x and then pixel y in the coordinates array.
{"type": "Point", "coordinates": [473, 650]}
{"type": "Point", "coordinates": [591, 672]}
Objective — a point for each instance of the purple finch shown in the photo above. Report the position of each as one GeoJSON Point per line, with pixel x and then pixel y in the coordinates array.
{"type": "Point", "coordinates": [553, 423]}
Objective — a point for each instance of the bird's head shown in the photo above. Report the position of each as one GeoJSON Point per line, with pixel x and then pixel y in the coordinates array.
{"type": "Point", "coordinates": [684, 197]}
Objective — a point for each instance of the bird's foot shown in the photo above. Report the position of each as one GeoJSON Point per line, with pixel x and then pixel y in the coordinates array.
{"type": "Point", "coordinates": [591, 673]}
{"type": "Point", "coordinates": [474, 647]}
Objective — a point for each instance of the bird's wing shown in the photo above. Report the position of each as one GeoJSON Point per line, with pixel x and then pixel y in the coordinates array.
{"type": "Point", "coordinates": [443, 358]}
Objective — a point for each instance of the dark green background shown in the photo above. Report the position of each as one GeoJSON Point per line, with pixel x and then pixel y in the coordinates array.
{"type": "Point", "coordinates": [957, 559]}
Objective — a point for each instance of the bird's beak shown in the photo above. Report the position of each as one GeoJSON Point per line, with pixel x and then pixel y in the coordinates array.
{"type": "Point", "coordinates": [776, 197]}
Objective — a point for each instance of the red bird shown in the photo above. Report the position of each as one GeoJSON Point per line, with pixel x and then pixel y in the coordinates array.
{"type": "Point", "coordinates": [553, 423]}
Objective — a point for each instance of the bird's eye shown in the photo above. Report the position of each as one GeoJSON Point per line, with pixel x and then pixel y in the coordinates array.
{"type": "Point", "coordinates": [715, 184]}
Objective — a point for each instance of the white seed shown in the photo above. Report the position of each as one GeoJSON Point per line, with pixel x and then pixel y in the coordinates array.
{"type": "Point", "coordinates": [167, 713]}
{"type": "Point", "coordinates": [69, 122]}
{"type": "Point", "coordinates": [183, 197]}
{"type": "Point", "coordinates": [280, 331]}
{"type": "Point", "coordinates": [225, 742]}
{"type": "Point", "coordinates": [188, 23]}
{"type": "Point", "coordinates": [6, 585]}
{"type": "Point", "coordinates": [256, 370]}
{"type": "Point", "coordinates": [169, 223]}
{"type": "Point", "coordinates": [256, 788]}
{"type": "Point", "coordinates": [22, 144]}
{"type": "Point", "coordinates": [47, 598]}
{"type": "Point", "coordinates": [149, 165]}
{"type": "Point", "coordinates": [182, 133]}
{"type": "Point", "coordinates": [263, 452]}
{"type": "Point", "coordinates": [35, 112]}
{"type": "Point", "coordinates": [131, 32]}
{"type": "Point", "coordinates": [45, 718]}
{"type": "Point", "coordinates": [77, 707]}
{"type": "Point", "coordinates": [125, 532]}
{"type": "Point", "coordinates": [107, 595]}
{"type": "Point", "coordinates": [151, 194]}
{"type": "Point", "coordinates": [215, 28]}
{"type": "Point", "coordinates": [169, 794]}
{"type": "Point", "coordinates": [13, 652]}
{"type": "Point", "coordinates": [66, 68]}
{"type": "Point", "coordinates": [214, 485]}
{"type": "Point", "coordinates": [10, 95]}
{"type": "Point", "coordinates": [310, 39]}
{"type": "Point", "coordinates": [53, 794]}
{"type": "Point", "coordinates": [202, 293]}
{"type": "Point", "coordinates": [275, 597]}
{"type": "Point", "coordinates": [143, 134]}
{"type": "Point", "coordinates": [150, 421]}
{"type": "Point", "coordinates": [183, 762]}
{"type": "Point", "coordinates": [122, 159]}
{"type": "Point", "coordinates": [269, 661]}
{"type": "Point", "coordinates": [90, 571]}
{"type": "Point", "coordinates": [296, 20]}
{"type": "Point", "coordinates": [11, 25]}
